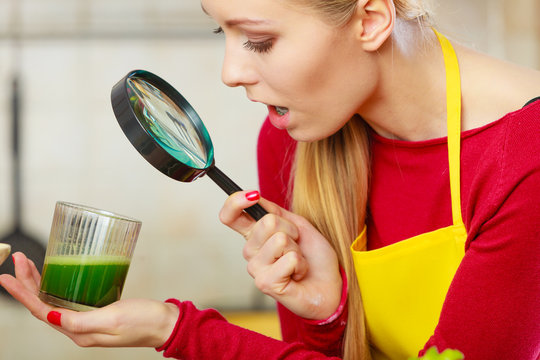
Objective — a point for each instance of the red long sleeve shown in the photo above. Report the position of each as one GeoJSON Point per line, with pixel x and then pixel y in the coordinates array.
{"type": "Point", "coordinates": [492, 309]}
{"type": "Point", "coordinates": [206, 335]}
{"type": "Point", "coordinates": [275, 157]}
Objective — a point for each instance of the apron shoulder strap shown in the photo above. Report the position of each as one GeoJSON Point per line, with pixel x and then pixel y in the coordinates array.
{"type": "Point", "coordinates": [453, 114]}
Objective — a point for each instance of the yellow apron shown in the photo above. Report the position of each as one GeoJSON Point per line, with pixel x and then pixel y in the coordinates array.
{"type": "Point", "coordinates": [404, 285]}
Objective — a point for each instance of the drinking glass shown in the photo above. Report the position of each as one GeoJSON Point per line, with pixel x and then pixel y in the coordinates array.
{"type": "Point", "coordinates": [88, 257]}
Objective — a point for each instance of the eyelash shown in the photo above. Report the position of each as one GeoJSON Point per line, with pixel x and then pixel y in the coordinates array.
{"type": "Point", "coordinates": [259, 47]}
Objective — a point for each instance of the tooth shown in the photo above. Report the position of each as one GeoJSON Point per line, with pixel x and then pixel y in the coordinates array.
{"type": "Point", "coordinates": [281, 110]}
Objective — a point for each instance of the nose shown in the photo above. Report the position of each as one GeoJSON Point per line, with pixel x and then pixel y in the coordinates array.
{"type": "Point", "coordinates": [238, 69]}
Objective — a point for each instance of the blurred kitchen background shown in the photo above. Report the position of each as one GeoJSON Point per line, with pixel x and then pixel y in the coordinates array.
{"type": "Point", "coordinates": [67, 55]}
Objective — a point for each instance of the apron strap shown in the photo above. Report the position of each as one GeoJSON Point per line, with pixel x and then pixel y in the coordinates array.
{"type": "Point", "coordinates": [453, 121]}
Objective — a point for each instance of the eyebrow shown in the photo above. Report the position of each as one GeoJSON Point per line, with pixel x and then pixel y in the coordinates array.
{"type": "Point", "coordinates": [204, 10]}
{"type": "Point", "coordinates": [247, 21]}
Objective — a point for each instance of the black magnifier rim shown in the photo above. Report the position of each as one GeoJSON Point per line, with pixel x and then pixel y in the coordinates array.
{"type": "Point", "coordinates": [139, 136]}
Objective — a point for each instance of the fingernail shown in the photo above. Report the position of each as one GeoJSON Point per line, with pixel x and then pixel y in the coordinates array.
{"type": "Point", "coordinates": [54, 317]}
{"type": "Point", "coordinates": [252, 195]}
{"type": "Point", "coordinates": [13, 258]}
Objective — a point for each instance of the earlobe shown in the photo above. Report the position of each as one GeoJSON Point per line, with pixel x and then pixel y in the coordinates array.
{"type": "Point", "coordinates": [377, 19]}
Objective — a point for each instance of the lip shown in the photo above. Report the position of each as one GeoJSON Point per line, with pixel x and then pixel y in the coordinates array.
{"type": "Point", "coordinates": [279, 121]}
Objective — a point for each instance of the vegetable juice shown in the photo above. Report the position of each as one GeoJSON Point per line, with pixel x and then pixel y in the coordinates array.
{"type": "Point", "coordinates": [90, 280]}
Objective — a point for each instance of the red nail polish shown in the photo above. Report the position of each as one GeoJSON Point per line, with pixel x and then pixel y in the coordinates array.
{"type": "Point", "coordinates": [13, 258]}
{"type": "Point", "coordinates": [252, 196]}
{"type": "Point", "coordinates": [54, 317]}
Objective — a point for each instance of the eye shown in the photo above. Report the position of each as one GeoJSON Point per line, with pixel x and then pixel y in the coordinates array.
{"type": "Point", "coordinates": [260, 46]}
{"type": "Point", "coordinates": [256, 46]}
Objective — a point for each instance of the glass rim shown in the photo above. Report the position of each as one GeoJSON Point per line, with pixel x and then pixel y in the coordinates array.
{"type": "Point", "coordinates": [97, 211]}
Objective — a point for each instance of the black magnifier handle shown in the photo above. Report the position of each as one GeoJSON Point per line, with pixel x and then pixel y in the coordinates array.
{"type": "Point", "coordinates": [256, 211]}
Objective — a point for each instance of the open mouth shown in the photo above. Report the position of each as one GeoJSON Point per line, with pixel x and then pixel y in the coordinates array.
{"type": "Point", "coordinates": [279, 116]}
{"type": "Point", "coordinates": [281, 110]}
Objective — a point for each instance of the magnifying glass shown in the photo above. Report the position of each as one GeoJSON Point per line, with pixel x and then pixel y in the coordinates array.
{"type": "Point", "coordinates": [167, 132]}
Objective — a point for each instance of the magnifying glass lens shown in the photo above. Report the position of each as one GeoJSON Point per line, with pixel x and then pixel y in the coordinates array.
{"type": "Point", "coordinates": [167, 123]}
{"type": "Point", "coordinates": [162, 125]}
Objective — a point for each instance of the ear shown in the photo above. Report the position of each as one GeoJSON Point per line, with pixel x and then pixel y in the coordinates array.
{"type": "Point", "coordinates": [375, 21]}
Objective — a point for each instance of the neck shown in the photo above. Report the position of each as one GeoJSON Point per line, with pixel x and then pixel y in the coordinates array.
{"type": "Point", "coordinates": [409, 101]}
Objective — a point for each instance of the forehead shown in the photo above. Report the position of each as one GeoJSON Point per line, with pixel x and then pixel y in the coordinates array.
{"type": "Point", "coordinates": [279, 9]}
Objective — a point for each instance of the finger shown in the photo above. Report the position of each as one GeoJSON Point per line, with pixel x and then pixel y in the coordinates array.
{"type": "Point", "coordinates": [263, 230]}
{"type": "Point", "coordinates": [292, 264]}
{"type": "Point", "coordinates": [96, 340]}
{"type": "Point", "coordinates": [232, 213]}
{"type": "Point", "coordinates": [24, 272]}
{"type": "Point", "coordinates": [97, 321]}
{"type": "Point", "coordinates": [278, 210]}
{"type": "Point", "coordinates": [131, 322]}
{"type": "Point", "coordinates": [272, 207]}
{"type": "Point", "coordinates": [25, 296]}
{"type": "Point", "coordinates": [277, 246]}
{"type": "Point", "coordinates": [81, 327]}
{"type": "Point", "coordinates": [276, 280]}
{"type": "Point", "coordinates": [35, 273]}
{"type": "Point", "coordinates": [84, 337]}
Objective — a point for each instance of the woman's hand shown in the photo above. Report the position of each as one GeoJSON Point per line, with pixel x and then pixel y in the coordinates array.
{"type": "Point", "coordinates": [288, 258]}
{"type": "Point", "coordinates": [132, 322]}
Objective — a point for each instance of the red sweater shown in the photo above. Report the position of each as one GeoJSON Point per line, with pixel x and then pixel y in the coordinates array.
{"type": "Point", "coordinates": [492, 309]}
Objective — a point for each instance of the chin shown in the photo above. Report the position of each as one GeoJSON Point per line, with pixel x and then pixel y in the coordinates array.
{"type": "Point", "coordinates": [310, 134]}
{"type": "Point", "coordinates": [305, 136]}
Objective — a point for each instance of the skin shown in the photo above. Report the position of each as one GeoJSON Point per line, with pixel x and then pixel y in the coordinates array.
{"type": "Point", "coordinates": [121, 324]}
{"type": "Point", "coordinates": [379, 69]}
{"type": "Point", "coordinates": [394, 81]}
{"type": "Point", "coordinates": [281, 250]}
{"type": "Point", "coordinates": [284, 75]}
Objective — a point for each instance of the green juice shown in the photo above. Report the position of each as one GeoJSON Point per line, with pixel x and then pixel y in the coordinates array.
{"type": "Point", "coordinates": [90, 280]}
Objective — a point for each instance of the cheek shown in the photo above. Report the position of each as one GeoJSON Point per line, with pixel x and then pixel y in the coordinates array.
{"type": "Point", "coordinates": [289, 78]}
{"type": "Point", "coordinates": [330, 101]}
{"type": "Point", "coordinates": [299, 67]}
{"type": "Point", "coordinates": [345, 86]}
{"type": "Point", "coordinates": [324, 85]}
{"type": "Point", "coordinates": [334, 75]}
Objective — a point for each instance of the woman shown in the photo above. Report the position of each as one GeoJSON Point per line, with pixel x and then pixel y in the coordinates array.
{"type": "Point", "coordinates": [448, 256]}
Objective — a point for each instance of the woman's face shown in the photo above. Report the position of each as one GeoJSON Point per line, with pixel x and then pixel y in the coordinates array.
{"type": "Point", "coordinates": [312, 76]}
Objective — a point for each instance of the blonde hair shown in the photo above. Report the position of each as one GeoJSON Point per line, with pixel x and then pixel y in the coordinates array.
{"type": "Point", "coordinates": [331, 179]}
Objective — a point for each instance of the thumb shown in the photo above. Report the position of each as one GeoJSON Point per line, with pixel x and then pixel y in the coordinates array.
{"type": "Point", "coordinates": [275, 209]}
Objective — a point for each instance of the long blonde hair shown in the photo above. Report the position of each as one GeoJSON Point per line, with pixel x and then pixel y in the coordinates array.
{"type": "Point", "coordinates": [331, 179]}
